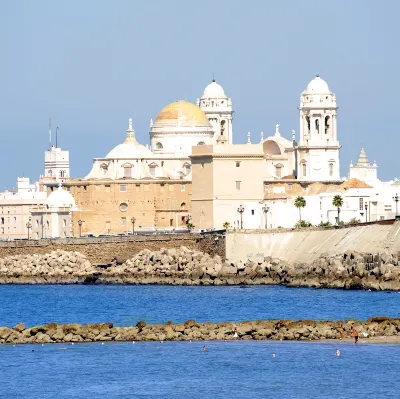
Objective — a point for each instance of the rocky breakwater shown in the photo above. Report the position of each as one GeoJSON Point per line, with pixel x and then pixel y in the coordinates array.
{"type": "Point", "coordinates": [57, 267]}
{"type": "Point", "coordinates": [183, 266]}
{"type": "Point", "coordinates": [371, 329]}
{"type": "Point", "coordinates": [350, 270]}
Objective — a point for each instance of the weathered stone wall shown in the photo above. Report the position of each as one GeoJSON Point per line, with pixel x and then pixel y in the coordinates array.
{"type": "Point", "coordinates": [103, 250]}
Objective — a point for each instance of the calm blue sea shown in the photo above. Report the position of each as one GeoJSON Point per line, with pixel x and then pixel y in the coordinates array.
{"type": "Point", "coordinates": [240, 369]}
{"type": "Point", "coordinates": [126, 305]}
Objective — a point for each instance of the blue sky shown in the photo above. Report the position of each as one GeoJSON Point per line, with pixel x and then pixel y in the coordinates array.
{"type": "Point", "coordinates": [90, 65]}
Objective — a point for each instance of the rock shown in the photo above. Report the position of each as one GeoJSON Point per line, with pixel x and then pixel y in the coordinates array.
{"type": "Point", "coordinates": [19, 327]}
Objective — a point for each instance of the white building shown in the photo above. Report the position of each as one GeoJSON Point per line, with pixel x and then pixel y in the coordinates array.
{"type": "Point", "coordinates": [56, 165]}
{"type": "Point", "coordinates": [315, 157]}
{"type": "Point", "coordinates": [54, 218]}
{"type": "Point", "coordinates": [15, 209]}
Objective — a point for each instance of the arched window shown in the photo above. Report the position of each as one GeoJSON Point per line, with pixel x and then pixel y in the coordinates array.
{"type": "Point", "coordinates": [308, 124]}
{"type": "Point", "coordinates": [50, 173]}
{"type": "Point", "coordinates": [304, 168]}
{"type": "Point", "coordinates": [326, 124]}
{"type": "Point", "coordinates": [183, 205]}
{"type": "Point", "coordinates": [186, 168]}
{"type": "Point", "coordinates": [223, 126]}
{"type": "Point", "coordinates": [159, 146]}
{"type": "Point", "coordinates": [200, 143]}
{"type": "Point", "coordinates": [331, 164]}
{"type": "Point", "coordinates": [317, 126]}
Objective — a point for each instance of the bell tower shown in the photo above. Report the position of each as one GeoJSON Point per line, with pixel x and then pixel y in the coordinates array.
{"type": "Point", "coordinates": [218, 108]}
{"type": "Point", "coordinates": [318, 147]}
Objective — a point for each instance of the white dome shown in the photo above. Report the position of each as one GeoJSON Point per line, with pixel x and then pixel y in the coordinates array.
{"type": "Point", "coordinates": [214, 90]}
{"type": "Point", "coordinates": [60, 198]}
{"type": "Point", "coordinates": [318, 86]}
{"type": "Point", "coordinates": [130, 148]}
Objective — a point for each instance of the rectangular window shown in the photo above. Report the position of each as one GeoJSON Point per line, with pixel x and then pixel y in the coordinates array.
{"type": "Point", "coordinates": [162, 187]}
{"type": "Point", "coordinates": [183, 188]}
{"type": "Point", "coordinates": [64, 223]}
{"type": "Point", "coordinates": [108, 226]}
{"type": "Point", "coordinates": [382, 217]}
{"type": "Point", "coordinates": [15, 220]}
{"type": "Point", "coordinates": [238, 164]}
{"type": "Point", "coordinates": [123, 221]}
{"type": "Point", "coordinates": [361, 203]}
{"type": "Point", "coordinates": [137, 188]}
{"type": "Point", "coordinates": [252, 211]}
{"type": "Point", "coordinates": [238, 184]}
{"type": "Point", "coordinates": [122, 188]}
{"type": "Point", "coordinates": [84, 189]}
{"type": "Point", "coordinates": [107, 188]}
{"type": "Point", "coordinates": [171, 222]}
{"type": "Point", "coordinates": [290, 186]}
{"type": "Point", "coordinates": [128, 171]}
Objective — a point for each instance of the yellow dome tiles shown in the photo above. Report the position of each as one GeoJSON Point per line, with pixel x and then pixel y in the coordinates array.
{"type": "Point", "coordinates": [182, 113]}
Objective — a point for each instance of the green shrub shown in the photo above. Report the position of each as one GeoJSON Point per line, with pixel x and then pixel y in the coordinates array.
{"type": "Point", "coordinates": [302, 224]}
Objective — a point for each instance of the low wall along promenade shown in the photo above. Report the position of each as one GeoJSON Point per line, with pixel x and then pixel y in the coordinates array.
{"type": "Point", "coordinates": [102, 250]}
{"type": "Point", "coordinates": [309, 244]}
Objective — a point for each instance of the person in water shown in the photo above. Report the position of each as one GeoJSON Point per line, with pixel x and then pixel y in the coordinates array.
{"type": "Point", "coordinates": [337, 352]}
{"type": "Point", "coordinates": [354, 333]}
{"type": "Point", "coordinates": [204, 348]}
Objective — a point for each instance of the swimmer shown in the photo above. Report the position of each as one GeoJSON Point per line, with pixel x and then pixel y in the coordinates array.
{"type": "Point", "coordinates": [204, 348]}
{"type": "Point", "coordinates": [337, 352]}
{"type": "Point", "coordinates": [273, 355]}
{"type": "Point", "coordinates": [161, 342]}
{"type": "Point", "coordinates": [102, 343]}
{"type": "Point", "coordinates": [133, 342]}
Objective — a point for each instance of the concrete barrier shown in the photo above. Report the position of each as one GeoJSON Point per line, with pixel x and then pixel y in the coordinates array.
{"type": "Point", "coordinates": [307, 245]}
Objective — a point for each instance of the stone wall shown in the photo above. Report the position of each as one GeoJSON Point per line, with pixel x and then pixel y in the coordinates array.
{"type": "Point", "coordinates": [103, 250]}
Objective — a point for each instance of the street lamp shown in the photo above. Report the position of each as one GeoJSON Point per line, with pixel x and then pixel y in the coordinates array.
{"type": "Point", "coordinates": [265, 210]}
{"type": "Point", "coordinates": [133, 220]}
{"type": "Point", "coordinates": [366, 213]}
{"type": "Point", "coordinates": [80, 227]}
{"type": "Point", "coordinates": [241, 210]}
{"type": "Point", "coordinates": [28, 226]}
{"type": "Point", "coordinates": [396, 199]}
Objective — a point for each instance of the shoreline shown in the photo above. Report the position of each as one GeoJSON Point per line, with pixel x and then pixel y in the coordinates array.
{"type": "Point", "coordinates": [379, 330]}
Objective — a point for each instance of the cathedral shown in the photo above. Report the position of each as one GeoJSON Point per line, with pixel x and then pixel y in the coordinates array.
{"type": "Point", "coordinates": [151, 186]}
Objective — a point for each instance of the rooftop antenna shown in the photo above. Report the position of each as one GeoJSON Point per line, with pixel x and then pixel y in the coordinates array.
{"type": "Point", "coordinates": [56, 136]}
{"type": "Point", "coordinates": [213, 77]}
{"type": "Point", "coordinates": [50, 132]}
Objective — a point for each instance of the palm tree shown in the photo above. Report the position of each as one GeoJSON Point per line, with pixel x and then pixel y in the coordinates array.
{"type": "Point", "coordinates": [299, 203]}
{"type": "Point", "coordinates": [338, 202]}
{"type": "Point", "coordinates": [226, 225]}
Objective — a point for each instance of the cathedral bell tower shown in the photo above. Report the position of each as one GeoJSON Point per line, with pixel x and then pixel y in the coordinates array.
{"type": "Point", "coordinates": [318, 147]}
{"type": "Point", "coordinates": [218, 108]}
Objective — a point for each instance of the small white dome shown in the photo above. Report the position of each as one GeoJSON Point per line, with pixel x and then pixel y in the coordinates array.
{"type": "Point", "coordinates": [129, 149]}
{"type": "Point", "coordinates": [318, 86]}
{"type": "Point", "coordinates": [214, 90]}
{"type": "Point", "coordinates": [60, 198]}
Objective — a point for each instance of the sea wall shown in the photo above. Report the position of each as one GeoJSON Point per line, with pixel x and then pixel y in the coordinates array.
{"type": "Point", "coordinates": [184, 266]}
{"type": "Point", "coordinates": [306, 245]}
{"type": "Point", "coordinates": [191, 330]}
{"type": "Point", "coordinates": [103, 250]}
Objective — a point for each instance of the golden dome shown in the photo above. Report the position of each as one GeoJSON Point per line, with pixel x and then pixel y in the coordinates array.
{"type": "Point", "coordinates": [182, 113]}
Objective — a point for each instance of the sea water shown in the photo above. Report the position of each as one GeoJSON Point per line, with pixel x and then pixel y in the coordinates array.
{"type": "Point", "coordinates": [125, 305]}
{"type": "Point", "coordinates": [238, 369]}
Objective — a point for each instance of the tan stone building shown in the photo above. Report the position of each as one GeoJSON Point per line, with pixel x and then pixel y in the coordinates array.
{"type": "Point", "coordinates": [225, 178]}
{"type": "Point", "coordinates": [107, 206]}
